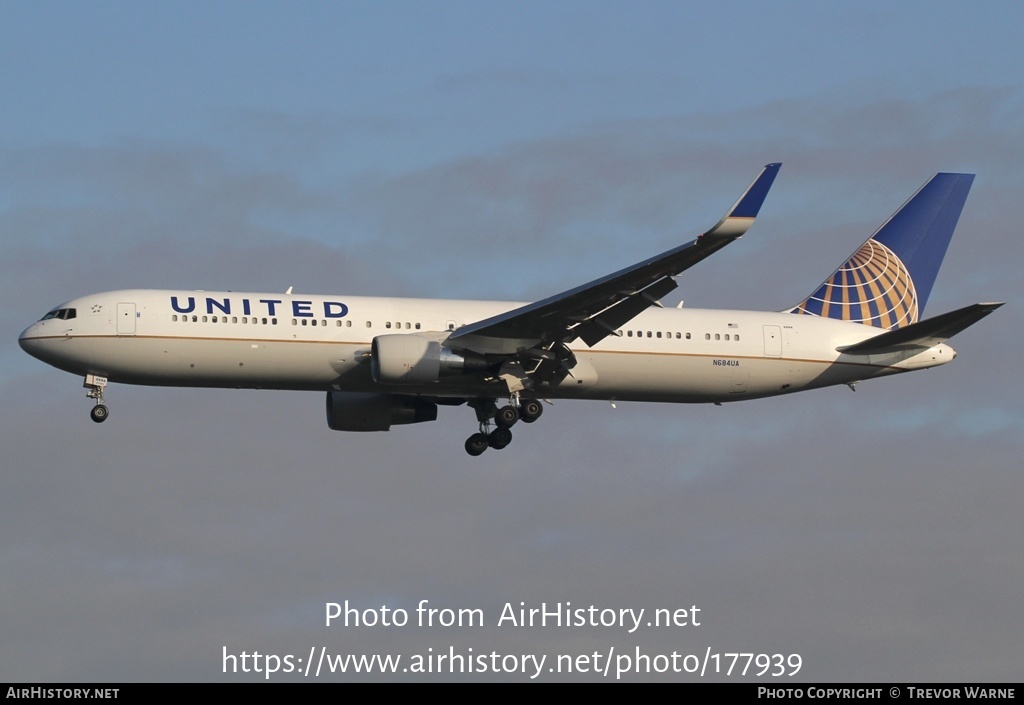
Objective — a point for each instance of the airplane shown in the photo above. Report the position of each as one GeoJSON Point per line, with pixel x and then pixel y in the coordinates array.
{"type": "Point", "coordinates": [392, 361]}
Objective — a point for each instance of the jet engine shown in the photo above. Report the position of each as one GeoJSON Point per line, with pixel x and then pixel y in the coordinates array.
{"type": "Point", "coordinates": [412, 359]}
{"type": "Point", "coordinates": [367, 411]}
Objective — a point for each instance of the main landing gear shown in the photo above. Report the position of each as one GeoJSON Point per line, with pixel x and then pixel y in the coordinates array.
{"type": "Point", "coordinates": [529, 410]}
{"type": "Point", "coordinates": [95, 385]}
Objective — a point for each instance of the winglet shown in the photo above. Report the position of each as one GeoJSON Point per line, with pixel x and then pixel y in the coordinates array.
{"type": "Point", "coordinates": [741, 216]}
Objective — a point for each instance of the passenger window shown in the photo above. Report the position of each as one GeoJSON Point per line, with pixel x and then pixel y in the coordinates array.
{"type": "Point", "coordinates": [387, 324]}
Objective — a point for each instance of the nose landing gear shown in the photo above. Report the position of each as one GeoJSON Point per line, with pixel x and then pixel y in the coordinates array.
{"type": "Point", "coordinates": [95, 385]}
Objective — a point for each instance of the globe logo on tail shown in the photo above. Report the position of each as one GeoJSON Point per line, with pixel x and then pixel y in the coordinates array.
{"type": "Point", "coordinates": [873, 287]}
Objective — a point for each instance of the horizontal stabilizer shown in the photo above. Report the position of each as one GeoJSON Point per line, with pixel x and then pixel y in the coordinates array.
{"type": "Point", "coordinates": [923, 334]}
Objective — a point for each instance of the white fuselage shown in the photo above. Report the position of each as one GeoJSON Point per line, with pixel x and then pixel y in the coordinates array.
{"type": "Point", "coordinates": [282, 341]}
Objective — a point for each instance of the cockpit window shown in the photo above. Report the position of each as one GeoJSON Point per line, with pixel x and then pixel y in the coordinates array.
{"type": "Point", "coordinates": [62, 313]}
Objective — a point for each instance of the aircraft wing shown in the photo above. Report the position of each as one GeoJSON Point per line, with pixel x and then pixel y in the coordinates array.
{"type": "Point", "coordinates": [923, 334]}
{"type": "Point", "coordinates": [596, 309]}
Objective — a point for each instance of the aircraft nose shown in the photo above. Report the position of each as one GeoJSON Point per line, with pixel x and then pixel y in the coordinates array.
{"type": "Point", "coordinates": [33, 341]}
{"type": "Point", "coordinates": [28, 341]}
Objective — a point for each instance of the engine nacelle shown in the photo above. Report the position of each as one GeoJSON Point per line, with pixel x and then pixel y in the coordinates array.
{"type": "Point", "coordinates": [366, 411]}
{"type": "Point", "coordinates": [412, 359]}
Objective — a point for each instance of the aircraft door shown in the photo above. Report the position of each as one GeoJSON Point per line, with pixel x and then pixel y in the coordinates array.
{"type": "Point", "coordinates": [126, 319]}
{"type": "Point", "coordinates": [772, 341]}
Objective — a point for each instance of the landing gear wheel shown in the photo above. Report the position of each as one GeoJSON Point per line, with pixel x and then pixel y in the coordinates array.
{"type": "Point", "coordinates": [499, 438]}
{"type": "Point", "coordinates": [477, 444]}
{"type": "Point", "coordinates": [506, 417]}
{"type": "Point", "coordinates": [530, 410]}
{"type": "Point", "coordinates": [99, 413]}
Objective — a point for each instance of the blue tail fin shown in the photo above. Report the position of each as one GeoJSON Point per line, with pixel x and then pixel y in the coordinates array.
{"type": "Point", "coordinates": [887, 281]}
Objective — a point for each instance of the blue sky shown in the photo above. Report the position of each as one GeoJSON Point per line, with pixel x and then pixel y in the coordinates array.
{"type": "Point", "coordinates": [506, 151]}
